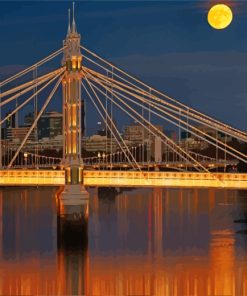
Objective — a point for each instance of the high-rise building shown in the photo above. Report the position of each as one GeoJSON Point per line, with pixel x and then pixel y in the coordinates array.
{"type": "Point", "coordinates": [29, 119]}
{"type": "Point", "coordinates": [17, 134]}
{"type": "Point", "coordinates": [97, 143]}
{"type": "Point", "coordinates": [10, 122]}
{"type": "Point", "coordinates": [137, 134]}
{"type": "Point", "coordinates": [50, 125]}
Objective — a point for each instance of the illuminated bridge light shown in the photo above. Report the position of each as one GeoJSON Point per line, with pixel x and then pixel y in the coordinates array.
{"type": "Point", "coordinates": [119, 178]}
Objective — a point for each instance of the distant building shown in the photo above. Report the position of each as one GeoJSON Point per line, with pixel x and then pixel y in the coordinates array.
{"type": "Point", "coordinates": [10, 122]}
{"type": "Point", "coordinates": [53, 143]}
{"type": "Point", "coordinates": [50, 125]}
{"type": "Point", "coordinates": [97, 143]}
{"type": "Point", "coordinates": [191, 141]}
{"type": "Point", "coordinates": [29, 119]}
{"type": "Point", "coordinates": [17, 134]}
{"type": "Point", "coordinates": [172, 135]}
{"type": "Point", "coordinates": [3, 133]}
{"type": "Point", "coordinates": [105, 129]}
{"type": "Point", "coordinates": [137, 134]}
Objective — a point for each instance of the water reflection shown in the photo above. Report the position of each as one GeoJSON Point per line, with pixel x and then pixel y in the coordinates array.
{"type": "Point", "coordinates": [140, 242]}
{"type": "Point", "coordinates": [72, 251]}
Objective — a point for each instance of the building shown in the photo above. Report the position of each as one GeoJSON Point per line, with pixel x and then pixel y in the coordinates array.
{"type": "Point", "coordinates": [190, 141]}
{"type": "Point", "coordinates": [17, 134]}
{"type": "Point", "coordinates": [137, 134]}
{"type": "Point", "coordinates": [54, 143]}
{"type": "Point", "coordinates": [29, 119]}
{"type": "Point", "coordinates": [10, 122]}
{"type": "Point", "coordinates": [98, 143]}
{"type": "Point", "coordinates": [50, 125]}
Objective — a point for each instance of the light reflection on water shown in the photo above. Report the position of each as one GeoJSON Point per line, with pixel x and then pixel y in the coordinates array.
{"type": "Point", "coordinates": [140, 242]}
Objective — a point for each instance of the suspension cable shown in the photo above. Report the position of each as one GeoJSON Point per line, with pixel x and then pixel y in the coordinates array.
{"type": "Point", "coordinates": [185, 123]}
{"type": "Point", "coordinates": [29, 99]}
{"type": "Point", "coordinates": [168, 140]}
{"type": "Point", "coordinates": [163, 104]}
{"type": "Point", "coordinates": [30, 88]}
{"type": "Point", "coordinates": [158, 92]}
{"type": "Point", "coordinates": [113, 125]}
{"type": "Point", "coordinates": [25, 71]}
{"type": "Point", "coordinates": [36, 120]}
{"type": "Point", "coordinates": [102, 116]}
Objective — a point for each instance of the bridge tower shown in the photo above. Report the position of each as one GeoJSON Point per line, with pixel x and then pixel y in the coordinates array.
{"type": "Point", "coordinates": [74, 192]}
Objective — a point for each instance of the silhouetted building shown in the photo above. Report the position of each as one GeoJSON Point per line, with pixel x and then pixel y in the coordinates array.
{"type": "Point", "coordinates": [10, 122]}
{"type": "Point", "coordinates": [137, 134]}
{"type": "Point", "coordinates": [17, 134]}
{"type": "Point", "coordinates": [3, 133]}
{"type": "Point", "coordinates": [29, 119]}
{"type": "Point", "coordinates": [50, 125]}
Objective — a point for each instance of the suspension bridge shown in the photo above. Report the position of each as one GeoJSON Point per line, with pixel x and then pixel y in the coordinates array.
{"type": "Point", "coordinates": [85, 76]}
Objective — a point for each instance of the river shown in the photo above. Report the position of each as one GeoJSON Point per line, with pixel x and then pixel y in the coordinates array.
{"type": "Point", "coordinates": [139, 242]}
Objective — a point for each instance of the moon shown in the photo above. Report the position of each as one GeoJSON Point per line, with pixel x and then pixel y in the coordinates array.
{"type": "Point", "coordinates": [220, 16]}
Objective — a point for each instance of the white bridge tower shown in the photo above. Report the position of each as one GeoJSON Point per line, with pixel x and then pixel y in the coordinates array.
{"type": "Point", "coordinates": [74, 192]}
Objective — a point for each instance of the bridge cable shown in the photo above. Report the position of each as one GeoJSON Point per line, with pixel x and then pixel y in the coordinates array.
{"type": "Point", "coordinates": [29, 99]}
{"type": "Point", "coordinates": [206, 117]}
{"type": "Point", "coordinates": [161, 103]}
{"type": "Point", "coordinates": [109, 127]}
{"type": "Point", "coordinates": [235, 133]}
{"type": "Point", "coordinates": [114, 126]}
{"type": "Point", "coordinates": [208, 136]}
{"type": "Point", "coordinates": [29, 83]}
{"type": "Point", "coordinates": [39, 63]}
{"type": "Point", "coordinates": [36, 120]}
{"type": "Point", "coordinates": [169, 140]}
{"type": "Point", "coordinates": [41, 81]}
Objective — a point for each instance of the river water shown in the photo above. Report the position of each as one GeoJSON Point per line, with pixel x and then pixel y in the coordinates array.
{"type": "Point", "coordinates": [140, 242]}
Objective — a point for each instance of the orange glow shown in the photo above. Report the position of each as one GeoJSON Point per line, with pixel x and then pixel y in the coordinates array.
{"type": "Point", "coordinates": [222, 263]}
{"type": "Point", "coordinates": [79, 63]}
{"type": "Point", "coordinates": [69, 115]}
{"type": "Point", "coordinates": [69, 142]}
{"type": "Point", "coordinates": [74, 63]}
{"type": "Point", "coordinates": [73, 111]}
{"type": "Point", "coordinates": [126, 178]}
{"type": "Point", "coordinates": [80, 175]}
{"type": "Point", "coordinates": [74, 144]}
{"type": "Point", "coordinates": [68, 174]}
{"type": "Point", "coordinates": [215, 270]}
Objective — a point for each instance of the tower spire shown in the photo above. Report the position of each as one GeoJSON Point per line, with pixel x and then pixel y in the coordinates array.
{"type": "Point", "coordinates": [69, 29]}
{"type": "Point", "coordinates": [73, 22]}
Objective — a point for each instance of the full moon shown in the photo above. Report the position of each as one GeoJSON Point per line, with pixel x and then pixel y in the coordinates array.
{"type": "Point", "coordinates": [220, 16]}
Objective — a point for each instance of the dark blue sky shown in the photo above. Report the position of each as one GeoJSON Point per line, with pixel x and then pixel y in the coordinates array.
{"type": "Point", "coordinates": [168, 44]}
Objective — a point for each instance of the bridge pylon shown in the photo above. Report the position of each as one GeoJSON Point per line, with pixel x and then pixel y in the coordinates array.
{"type": "Point", "coordinates": [74, 192]}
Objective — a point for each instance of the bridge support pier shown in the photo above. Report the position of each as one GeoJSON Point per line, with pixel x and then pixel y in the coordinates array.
{"type": "Point", "coordinates": [74, 195]}
{"type": "Point", "coordinates": [72, 221]}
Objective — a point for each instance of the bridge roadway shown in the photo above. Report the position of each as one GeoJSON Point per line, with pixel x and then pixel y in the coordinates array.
{"type": "Point", "coordinates": [125, 178]}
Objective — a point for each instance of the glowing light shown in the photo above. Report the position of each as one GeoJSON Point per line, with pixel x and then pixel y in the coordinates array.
{"type": "Point", "coordinates": [124, 178]}
{"type": "Point", "coordinates": [220, 16]}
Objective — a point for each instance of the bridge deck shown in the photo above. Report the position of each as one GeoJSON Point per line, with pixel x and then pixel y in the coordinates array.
{"type": "Point", "coordinates": [125, 178]}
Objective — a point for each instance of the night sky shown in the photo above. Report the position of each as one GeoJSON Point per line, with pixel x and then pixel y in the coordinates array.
{"type": "Point", "coordinates": [167, 44]}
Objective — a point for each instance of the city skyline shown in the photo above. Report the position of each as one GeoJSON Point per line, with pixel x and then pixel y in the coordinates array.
{"type": "Point", "coordinates": [153, 200]}
{"type": "Point", "coordinates": [193, 63]}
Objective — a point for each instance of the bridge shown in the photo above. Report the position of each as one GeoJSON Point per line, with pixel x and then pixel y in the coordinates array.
{"type": "Point", "coordinates": [86, 76]}
{"type": "Point", "coordinates": [95, 178]}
